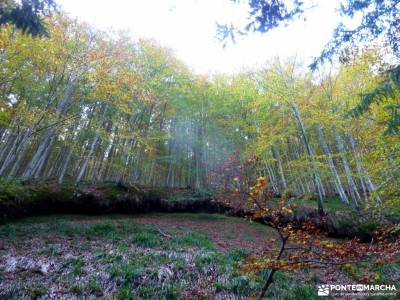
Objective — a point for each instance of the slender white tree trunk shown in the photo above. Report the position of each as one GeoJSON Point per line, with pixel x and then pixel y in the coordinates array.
{"type": "Point", "coordinates": [316, 178]}
{"type": "Point", "coordinates": [87, 158]}
{"type": "Point", "coordinates": [65, 166]}
{"type": "Point", "coordinates": [351, 183]}
{"type": "Point", "coordinates": [43, 151]}
{"type": "Point", "coordinates": [328, 156]}
{"type": "Point", "coordinates": [283, 184]}
{"type": "Point", "coordinates": [364, 177]}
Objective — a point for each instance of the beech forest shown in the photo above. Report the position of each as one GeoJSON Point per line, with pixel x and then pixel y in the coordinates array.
{"type": "Point", "coordinates": [125, 174]}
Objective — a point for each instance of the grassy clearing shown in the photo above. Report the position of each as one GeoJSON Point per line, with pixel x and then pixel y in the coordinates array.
{"type": "Point", "coordinates": [306, 205]}
{"type": "Point", "coordinates": [125, 257]}
{"type": "Point", "coordinates": [331, 204]}
{"type": "Point", "coordinates": [120, 258]}
{"type": "Point", "coordinates": [194, 217]}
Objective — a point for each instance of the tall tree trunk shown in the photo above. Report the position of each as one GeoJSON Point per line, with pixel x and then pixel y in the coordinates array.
{"type": "Point", "coordinates": [351, 183]}
{"type": "Point", "coordinates": [276, 155]}
{"type": "Point", "coordinates": [364, 177]}
{"type": "Point", "coordinates": [316, 179]}
{"type": "Point", "coordinates": [328, 156]}
{"type": "Point", "coordinates": [44, 149]}
{"type": "Point", "coordinates": [41, 154]}
{"type": "Point", "coordinates": [272, 179]}
{"type": "Point", "coordinates": [87, 158]}
{"type": "Point", "coordinates": [15, 154]}
{"type": "Point", "coordinates": [65, 165]}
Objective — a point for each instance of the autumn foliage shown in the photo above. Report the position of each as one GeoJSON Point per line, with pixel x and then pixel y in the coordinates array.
{"type": "Point", "coordinates": [305, 244]}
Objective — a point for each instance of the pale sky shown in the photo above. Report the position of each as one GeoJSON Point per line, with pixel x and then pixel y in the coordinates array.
{"type": "Point", "coordinates": [189, 28]}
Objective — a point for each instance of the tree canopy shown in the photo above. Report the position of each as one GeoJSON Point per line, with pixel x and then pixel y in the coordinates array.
{"type": "Point", "coordinates": [27, 15]}
{"type": "Point", "coordinates": [376, 21]}
{"type": "Point", "coordinates": [83, 106]}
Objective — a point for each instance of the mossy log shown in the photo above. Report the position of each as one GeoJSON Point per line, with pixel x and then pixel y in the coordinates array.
{"type": "Point", "coordinates": [39, 198]}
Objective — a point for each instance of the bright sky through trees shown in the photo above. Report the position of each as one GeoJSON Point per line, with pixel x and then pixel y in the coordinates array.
{"type": "Point", "coordinates": [189, 27]}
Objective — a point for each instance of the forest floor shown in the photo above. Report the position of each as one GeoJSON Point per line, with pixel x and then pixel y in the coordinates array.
{"type": "Point", "coordinates": [152, 256]}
